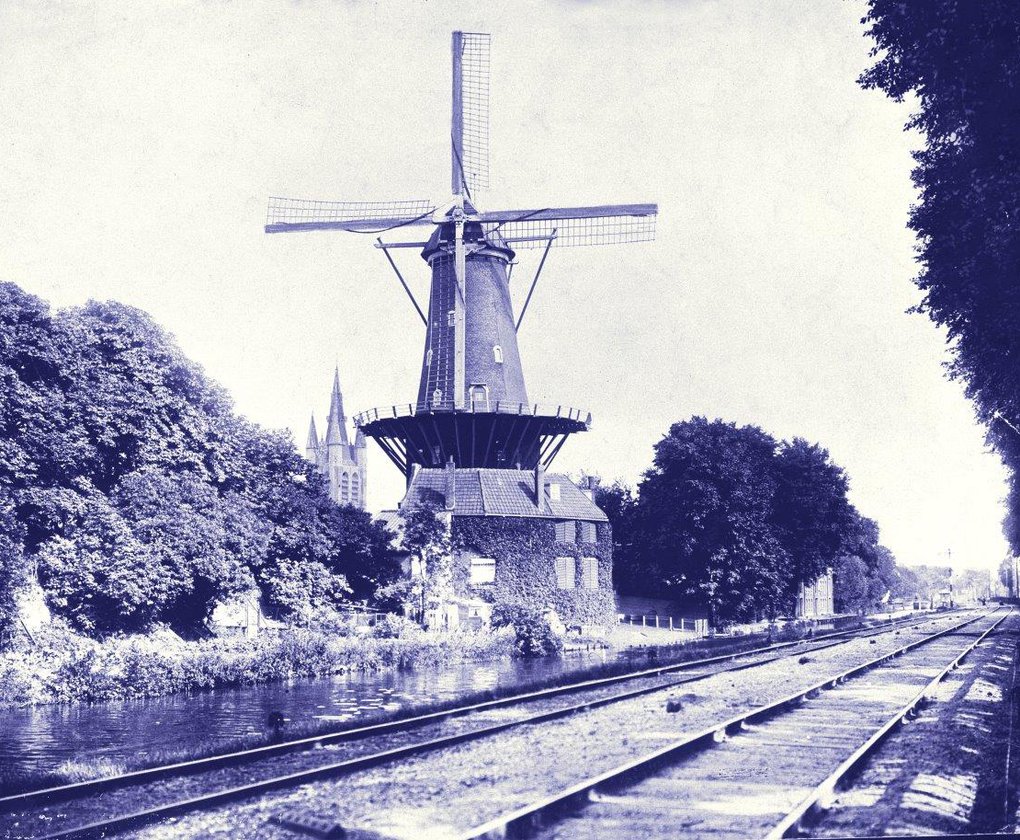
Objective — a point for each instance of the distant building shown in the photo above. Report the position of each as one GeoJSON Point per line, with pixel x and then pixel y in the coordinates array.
{"type": "Point", "coordinates": [241, 615]}
{"type": "Point", "coordinates": [342, 462]}
{"type": "Point", "coordinates": [816, 599]}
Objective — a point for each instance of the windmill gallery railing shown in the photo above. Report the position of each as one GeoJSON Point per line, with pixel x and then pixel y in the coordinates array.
{"type": "Point", "coordinates": [496, 407]}
{"type": "Point", "coordinates": [481, 433]}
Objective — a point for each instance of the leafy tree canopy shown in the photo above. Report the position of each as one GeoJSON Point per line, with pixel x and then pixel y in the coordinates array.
{"type": "Point", "coordinates": [961, 62]}
{"type": "Point", "coordinates": [730, 517]}
{"type": "Point", "coordinates": [128, 482]}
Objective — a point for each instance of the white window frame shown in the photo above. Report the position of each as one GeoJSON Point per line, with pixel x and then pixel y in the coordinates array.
{"type": "Point", "coordinates": [482, 571]}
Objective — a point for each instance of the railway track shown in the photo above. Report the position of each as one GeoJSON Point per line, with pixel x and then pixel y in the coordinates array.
{"type": "Point", "coordinates": [204, 783]}
{"type": "Point", "coordinates": [760, 774]}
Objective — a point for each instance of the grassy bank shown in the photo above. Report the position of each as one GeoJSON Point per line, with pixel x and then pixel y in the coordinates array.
{"type": "Point", "coordinates": [62, 666]}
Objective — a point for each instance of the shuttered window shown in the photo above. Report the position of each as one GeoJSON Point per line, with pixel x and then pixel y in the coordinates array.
{"type": "Point", "coordinates": [588, 533]}
{"type": "Point", "coordinates": [566, 531]}
{"type": "Point", "coordinates": [590, 572]}
{"type": "Point", "coordinates": [565, 572]}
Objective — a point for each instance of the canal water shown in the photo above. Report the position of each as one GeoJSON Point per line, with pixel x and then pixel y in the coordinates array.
{"type": "Point", "coordinates": [39, 738]}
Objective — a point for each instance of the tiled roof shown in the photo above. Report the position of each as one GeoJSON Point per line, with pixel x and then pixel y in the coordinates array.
{"type": "Point", "coordinates": [493, 492]}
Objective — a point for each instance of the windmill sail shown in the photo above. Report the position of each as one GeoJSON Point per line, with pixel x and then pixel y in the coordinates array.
{"type": "Point", "coordinates": [294, 214]}
{"type": "Point", "coordinates": [470, 128]}
{"type": "Point", "coordinates": [601, 225]}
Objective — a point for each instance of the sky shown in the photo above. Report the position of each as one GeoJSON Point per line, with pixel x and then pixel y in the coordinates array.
{"type": "Point", "coordinates": [139, 144]}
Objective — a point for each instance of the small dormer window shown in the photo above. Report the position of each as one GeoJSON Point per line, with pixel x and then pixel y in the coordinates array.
{"type": "Point", "coordinates": [497, 354]}
{"type": "Point", "coordinates": [554, 491]}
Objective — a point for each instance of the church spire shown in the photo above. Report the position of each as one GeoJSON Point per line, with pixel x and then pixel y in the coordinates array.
{"type": "Point", "coordinates": [336, 423]}
{"type": "Point", "coordinates": [313, 437]}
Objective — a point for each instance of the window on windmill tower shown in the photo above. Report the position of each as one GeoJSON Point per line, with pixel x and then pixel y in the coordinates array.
{"type": "Point", "coordinates": [497, 354]}
{"type": "Point", "coordinates": [564, 567]}
{"type": "Point", "coordinates": [451, 317]}
{"type": "Point", "coordinates": [479, 396]}
{"type": "Point", "coordinates": [428, 358]}
{"type": "Point", "coordinates": [590, 572]}
{"type": "Point", "coordinates": [483, 571]}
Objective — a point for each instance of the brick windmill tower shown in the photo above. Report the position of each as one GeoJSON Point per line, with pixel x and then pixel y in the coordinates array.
{"type": "Point", "coordinates": [472, 442]}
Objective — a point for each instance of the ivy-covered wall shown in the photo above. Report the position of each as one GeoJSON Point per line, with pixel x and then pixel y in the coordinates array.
{"type": "Point", "coordinates": [525, 550]}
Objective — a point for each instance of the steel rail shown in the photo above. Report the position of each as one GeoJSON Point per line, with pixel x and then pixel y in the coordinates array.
{"type": "Point", "coordinates": [1009, 793]}
{"type": "Point", "coordinates": [90, 786]}
{"type": "Point", "coordinates": [521, 821]}
{"type": "Point", "coordinates": [980, 835]}
{"type": "Point", "coordinates": [118, 823]}
{"type": "Point", "coordinates": [820, 797]}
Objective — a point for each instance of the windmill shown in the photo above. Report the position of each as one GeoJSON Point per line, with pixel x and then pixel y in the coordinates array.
{"type": "Point", "coordinates": [472, 405]}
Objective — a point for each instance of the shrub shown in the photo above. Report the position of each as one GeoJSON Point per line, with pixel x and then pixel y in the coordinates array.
{"type": "Point", "coordinates": [533, 635]}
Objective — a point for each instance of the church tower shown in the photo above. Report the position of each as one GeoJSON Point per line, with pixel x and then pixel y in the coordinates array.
{"type": "Point", "coordinates": [341, 462]}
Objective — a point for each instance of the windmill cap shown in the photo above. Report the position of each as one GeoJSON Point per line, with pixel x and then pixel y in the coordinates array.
{"type": "Point", "coordinates": [474, 233]}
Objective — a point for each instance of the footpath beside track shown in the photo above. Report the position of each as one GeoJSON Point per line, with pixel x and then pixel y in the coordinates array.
{"type": "Point", "coordinates": [757, 774]}
{"type": "Point", "coordinates": [104, 806]}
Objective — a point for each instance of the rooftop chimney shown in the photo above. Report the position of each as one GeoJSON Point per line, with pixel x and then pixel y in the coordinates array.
{"type": "Point", "coordinates": [539, 486]}
{"type": "Point", "coordinates": [451, 484]}
{"type": "Point", "coordinates": [589, 487]}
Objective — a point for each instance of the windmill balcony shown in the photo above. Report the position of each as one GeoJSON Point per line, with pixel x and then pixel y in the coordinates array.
{"type": "Point", "coordinates": [575, 415]}
{"type": "Point", "coordinates": [483, 434]}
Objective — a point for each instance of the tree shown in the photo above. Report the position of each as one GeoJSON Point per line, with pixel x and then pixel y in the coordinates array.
{"type": "Point", "coordinates": [1007, 574]}
{"type": "Point", "coordinates": [962, 63]}
{"type": "Point", "coordinates": [850, 589]}
{"type": "Point", "coordinates": [126, 475]}
{"type": "Point", "coordinates": [931, 580]}
{"type": "Point", "coordinates": [812, 517]}
{"type": "Point", "coordinates": [191, 537]}
{"type": "Point", "coordinates": [619, 504]}
{"type": "Point", "coordinates": [427, 539]}
{"type": "Point", "coordinates": [907, 584]}
{"type": "Point", "coordinates": [703, 519]}
{"type": "Point", "coordinates": [12, 566]}
{"type": "Point", "coordinates": [99, 576]}
{"type": "Point", "coordinates": [361, 551]}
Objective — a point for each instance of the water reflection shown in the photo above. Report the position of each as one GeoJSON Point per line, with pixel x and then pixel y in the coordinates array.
{"type": "Point", "coordinates": [38, 739]}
